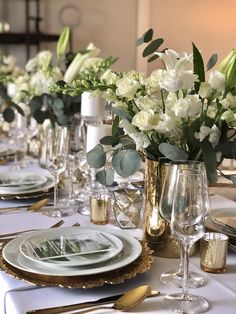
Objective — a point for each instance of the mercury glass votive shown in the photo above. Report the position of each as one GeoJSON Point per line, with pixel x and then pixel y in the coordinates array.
{"type": "Point", "coordinates": [213, 252]}
{"type": "Point", "coordinates": [100, 205]}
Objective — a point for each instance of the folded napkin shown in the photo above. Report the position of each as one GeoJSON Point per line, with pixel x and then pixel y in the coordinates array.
{"type": "Point", "coordinates": [229, 221]}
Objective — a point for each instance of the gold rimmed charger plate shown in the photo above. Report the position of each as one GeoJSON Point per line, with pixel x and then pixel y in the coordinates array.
{"type": "Point", "coordinates": [45, 190]}
{"type": "Point", "coordinates": [139, 266]}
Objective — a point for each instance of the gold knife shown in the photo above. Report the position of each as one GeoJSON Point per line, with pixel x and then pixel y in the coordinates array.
{"type": "Point", "coordinates": [78, 306]}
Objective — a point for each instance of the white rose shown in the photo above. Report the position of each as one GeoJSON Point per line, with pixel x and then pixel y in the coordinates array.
{"type": "Point", "coordinates": [217, 80]}
{"type": "Point", "coordinates": [109, 76]}
{"type": "Point", "coordinates": [146, 120]}
{"type": "Point", "coordinates": [228, 116]}
{"type": "Point", "coordinates": [127, 87]}
{"type": "Point", "coordinates": [146, 102]}
{"type": "Point", "coordinates": [205, 90]}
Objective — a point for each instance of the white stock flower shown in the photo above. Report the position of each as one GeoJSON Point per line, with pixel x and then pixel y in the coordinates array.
{"type": "Point", "coordinates": [146, 120]}
{"type": "Point", "coordinates": [127, 86]}
{"type": "Point", "coordinates": [229, 101]}
{"type": "Point", "coordinates": [214, 136]}
{"type": "Point", "coordinates": [217, 80]}
{"type": "Point", "coordinates": [141, 140]}
{"type": "Point", "coordinates": [184, 107]}
{"type": "Point", "coordinates": [205, 90]}
{"type": "Point", "coordinates": [204, 132]}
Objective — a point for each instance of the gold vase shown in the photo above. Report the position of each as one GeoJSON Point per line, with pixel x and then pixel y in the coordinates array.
{"type": "Point", "coordinates": [156, 230]}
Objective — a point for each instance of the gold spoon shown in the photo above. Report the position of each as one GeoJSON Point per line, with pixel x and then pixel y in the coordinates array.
{"type": "Point", "coordinates": [126, 302]}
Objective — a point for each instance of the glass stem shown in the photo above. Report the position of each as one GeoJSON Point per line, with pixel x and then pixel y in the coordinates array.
{"type": "Point", "coordinates": [71, 193]}
{"type": "Point", "coordinates": [185, 268]}
{"type": "Point", "coordinates": [56, 191]}
{"type": "Point", "coordinates": [180, 271]}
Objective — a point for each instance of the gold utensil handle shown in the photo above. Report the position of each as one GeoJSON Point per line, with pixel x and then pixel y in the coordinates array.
{"type": "Point", "coordinates": [78, 306]}
{"type": "Point", "coordinates": [95, 309]}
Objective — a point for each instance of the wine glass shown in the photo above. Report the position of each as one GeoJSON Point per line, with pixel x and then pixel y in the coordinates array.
{"type": "Point", "coordinates": [56, 153]}
{"type": "Point", "coordinates": [175, 277]}
{"type": "Point", "coordinates": [187, 225]}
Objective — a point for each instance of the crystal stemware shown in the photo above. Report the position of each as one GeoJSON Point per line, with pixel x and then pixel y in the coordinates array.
{"type": "Point", "coordinates": [175, 277]}
{"type": "Point", "coordinates": [187, 224]}
{"type": "Point", "coordinates": [56, 153]}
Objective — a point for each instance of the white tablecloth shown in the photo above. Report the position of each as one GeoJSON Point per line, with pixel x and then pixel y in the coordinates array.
{"type": "Point", "coordinates": [17, 296]}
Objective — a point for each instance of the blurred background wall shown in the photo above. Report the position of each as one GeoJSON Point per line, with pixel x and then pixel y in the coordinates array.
{"type": "Point", "coordinates": [113, 26]}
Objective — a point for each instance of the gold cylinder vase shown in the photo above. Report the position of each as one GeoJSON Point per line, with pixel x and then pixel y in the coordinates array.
{"type": "Point", "coordinates": [156, 230]}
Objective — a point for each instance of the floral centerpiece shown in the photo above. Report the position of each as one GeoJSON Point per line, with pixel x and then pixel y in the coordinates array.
{"type": "Point", "coordinates": [177, 112]}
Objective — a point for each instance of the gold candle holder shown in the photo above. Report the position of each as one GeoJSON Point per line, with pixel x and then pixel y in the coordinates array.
{"type": "Point", "coordinates": [213, 252]}
{"type": "Point", "coordinates": [100, 209]}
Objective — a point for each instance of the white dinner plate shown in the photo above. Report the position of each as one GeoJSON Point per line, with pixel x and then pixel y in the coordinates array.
{"type": "Point", "coordinates": [71, 247]}
{"type": "Point", "coordinates": [49, 183]}
{"type": "Point", "coordinates": [131, 251]}
{"type": "Point", "coordinates": [20, 181]}
{"type": "Point", "coordinates": [209, 223]}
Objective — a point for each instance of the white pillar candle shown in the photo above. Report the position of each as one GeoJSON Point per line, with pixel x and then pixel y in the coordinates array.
{"type": "Point", "coordinates": [94, 133]}
{"type": "Point", "coordinates": [92, 106]}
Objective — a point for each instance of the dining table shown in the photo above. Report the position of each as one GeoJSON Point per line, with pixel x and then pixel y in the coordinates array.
{"type": "Point", "coordinates": [18, 296]}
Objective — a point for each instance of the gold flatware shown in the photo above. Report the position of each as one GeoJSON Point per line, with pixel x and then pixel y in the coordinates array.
{"type": "Point", "coordinates": [79, 306]}
{"type": "Point", "coordinates": [33, 207]}
{"type": "Point", "coordinates": [7, 236]}
{"type": "Point", "coordinates": [126, 302]}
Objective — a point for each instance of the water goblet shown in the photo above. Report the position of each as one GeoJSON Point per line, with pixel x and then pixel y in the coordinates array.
{"type": "Point", "coordinates": [175, 277]}
{"type": "Point", "coordinates": [56, 153]}
{"type": "Point", "coordinates": [187, 224]}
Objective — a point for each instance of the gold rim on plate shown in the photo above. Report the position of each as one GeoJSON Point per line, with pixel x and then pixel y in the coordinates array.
{"type": "Point", "coordinates": [141, 265]}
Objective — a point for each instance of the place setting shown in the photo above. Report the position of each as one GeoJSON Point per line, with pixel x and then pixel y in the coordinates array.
{"type": "Point", "coordinates": [24, 185]}
{"type": "Point", "coordinates": [76, 257]}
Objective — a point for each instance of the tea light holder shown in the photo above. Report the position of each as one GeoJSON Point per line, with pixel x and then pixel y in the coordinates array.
{"type": "Point", "coordinates": [100, 205]}
{"type": "Point", "coordinates": [213, 252]}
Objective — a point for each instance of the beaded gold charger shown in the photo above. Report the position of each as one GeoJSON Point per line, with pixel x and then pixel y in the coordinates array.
{"type": "Point", "coordinates": [139, 266]}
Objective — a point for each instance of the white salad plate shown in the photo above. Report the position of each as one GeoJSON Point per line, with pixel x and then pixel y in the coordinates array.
{"type": "Point", "coordinates": [213, 223]}
{"type": "Point", "coordinates": [20, 181]}
{"type": "Point", "coordinates": [48, 184]}
{"type": "Point", "coordinates": [76, 247]}
{"type": "Point", "coordinates": [130, 252]}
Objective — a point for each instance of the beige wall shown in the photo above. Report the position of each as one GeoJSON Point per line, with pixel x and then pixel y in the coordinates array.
{"type": "Point", "coordinates": [210, 24]}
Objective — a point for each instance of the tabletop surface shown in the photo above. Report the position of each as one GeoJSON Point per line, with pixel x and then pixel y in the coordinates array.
{"type": "Point", "coordinates": [17, 296]}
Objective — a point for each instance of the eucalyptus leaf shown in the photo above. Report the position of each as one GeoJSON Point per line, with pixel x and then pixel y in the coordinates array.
{"type": "Point", "coordinates": [96, 157]}
{"type": "Point", "coordinates": [8, 114]}
{"type": "Point", "coordinates": [109, 140]}
{"type": "Point", "coordinates": [172, 152]}
{"type": "Point", "coordinates": [146, 37]}
{"type": "Point", "coordinates": [18, 108]}
{"type": "Point", "coordinates": [36, 103]}
{"type": "Point", "coordinates": [121, 114]}
{"type": "Point", "coordinates": [105, 177]}
{"type": "Point", "coordinates": [126, 162]}
{"type": "Point", "coordinates": [40, 116]}
{"type": "Point", "coordinates": [212, 61]}
{"type": "Point", "coordinates": [154, 57]}
{"type": "Point", "coordinates": [152, 47]}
